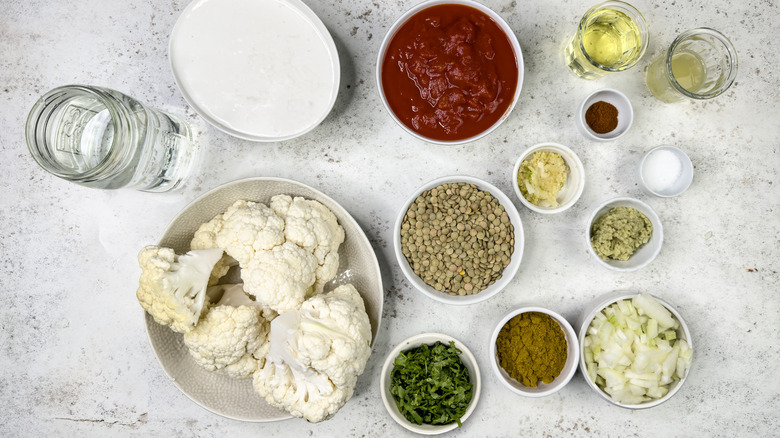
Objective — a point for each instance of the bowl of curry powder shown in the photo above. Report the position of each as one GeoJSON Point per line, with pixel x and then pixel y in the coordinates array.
{"type": "Point", "coordinates": [534, 351]}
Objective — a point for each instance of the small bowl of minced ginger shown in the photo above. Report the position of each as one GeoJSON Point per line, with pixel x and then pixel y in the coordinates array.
{"type": "Point", "coordinates": [624, 234]}
{"type": "Point", "coordinates": [548, 178]}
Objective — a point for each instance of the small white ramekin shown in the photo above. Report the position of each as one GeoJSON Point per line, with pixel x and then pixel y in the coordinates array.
{"type": "Point", "coordinates": [575, 178]}
{"type": "Point", "coordinates": [542, 389]}
{"type": "Point", "coordinates": [646, 253]}
{"type": "Point", "coordinates": [469, 361]}
{"type": "Point", "coordinates": [618, 100]}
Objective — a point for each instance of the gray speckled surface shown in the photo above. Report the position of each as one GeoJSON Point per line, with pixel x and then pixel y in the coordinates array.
{"type": "Point", "coordinates": [74, 358]}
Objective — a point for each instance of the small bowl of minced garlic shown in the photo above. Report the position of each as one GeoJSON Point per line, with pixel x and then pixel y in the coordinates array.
{"type": "Point", "coordinates": [548, 178]}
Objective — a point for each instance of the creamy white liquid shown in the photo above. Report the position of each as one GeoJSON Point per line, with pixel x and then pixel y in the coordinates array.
{"type": "Point", "coordinates": [259, 67]}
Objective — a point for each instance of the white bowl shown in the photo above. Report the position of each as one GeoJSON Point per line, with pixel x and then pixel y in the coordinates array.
{"type": "Point", "coordinates": [584, 322]}
{"type": "Point", "coordinates": [235, 398]}
{"type": "Point", "coordinates": [542, 389]}
{"type": "Point", "coordinates": [508, 273]}
{"type": "Point", "coordinates": [619, 101]}
{"type": "Point", "coordinates": [646, 253]}
{"type": "Point", "coordinates": [263, 71]}
{"type": "Point", "coordinates": [575, 178]}
{"type": "Point", "coordinates": [415, 341]}
{"type": "Point", "coordinates": [424, 5]}
{"type": "Point", "coordinates": [671, 184]}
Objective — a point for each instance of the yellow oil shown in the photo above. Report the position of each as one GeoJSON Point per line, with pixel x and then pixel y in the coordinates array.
{"type": "Point", "coordinates": [688, 70]}
{"type": "Point", "coordinates": [611, 39]}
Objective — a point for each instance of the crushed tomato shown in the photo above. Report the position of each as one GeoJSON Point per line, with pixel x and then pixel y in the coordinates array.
{"type": "Point", "coordinates": [449, 72]}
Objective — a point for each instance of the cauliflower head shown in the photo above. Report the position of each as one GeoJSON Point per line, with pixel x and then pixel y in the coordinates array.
{"type": "Point", "coordinates": [312, 226]}
{"type": "Point", "coordinates": [230, 337]}
{"type": "Point", "coordinates": [281, 278]}
{"type": "Point", "coordinates": [316, 353]}
{"type": "Point", "coordinates": [172, 288]}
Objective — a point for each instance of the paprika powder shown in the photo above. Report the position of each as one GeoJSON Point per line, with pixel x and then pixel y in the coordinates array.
{"type": "Point", "coordinates": [602, 117]}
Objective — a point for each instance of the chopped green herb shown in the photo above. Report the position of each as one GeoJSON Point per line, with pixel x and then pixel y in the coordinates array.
{"type": "Point", "coordinates": [431, 385]}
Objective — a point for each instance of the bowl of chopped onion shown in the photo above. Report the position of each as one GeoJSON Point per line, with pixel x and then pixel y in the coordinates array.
{"type": "Point", "coordinates": [635, 349]}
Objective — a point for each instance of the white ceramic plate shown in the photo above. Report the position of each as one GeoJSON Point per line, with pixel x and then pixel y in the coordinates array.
{"type": "Point", "coordinates": [235, 398]}
{"type": "Point", "coordinates": [258, 70]}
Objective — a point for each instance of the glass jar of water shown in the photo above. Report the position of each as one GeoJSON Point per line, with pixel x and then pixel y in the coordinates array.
{"type": "Point", "coordinates": [104, 139]}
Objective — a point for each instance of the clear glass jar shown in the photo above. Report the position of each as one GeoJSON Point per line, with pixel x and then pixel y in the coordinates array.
{"type": "Point", "coordinates": [611, 37]}
{"type": "Point", "coordinates": [104, 139]}
{"type": "Point", "coordinates": [700, 64]}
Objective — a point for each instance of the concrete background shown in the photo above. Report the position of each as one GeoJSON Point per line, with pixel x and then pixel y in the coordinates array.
{"type": "Point", "coordinates": [74, 356]}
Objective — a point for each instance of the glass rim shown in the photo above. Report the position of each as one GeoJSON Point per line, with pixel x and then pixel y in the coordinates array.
{"type": "Point", "coordinates": [42, 151]}
{"type": "Point", "coordinates": [626, 7]}
{"type": "Point", "coordinates": [723, 40]}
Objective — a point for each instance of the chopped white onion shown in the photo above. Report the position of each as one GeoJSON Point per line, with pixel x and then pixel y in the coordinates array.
{"type": "Point", "coordinates": [632, 351]}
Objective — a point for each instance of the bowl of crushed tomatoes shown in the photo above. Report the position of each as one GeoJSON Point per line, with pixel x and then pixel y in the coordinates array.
{"type": "Point", "coordinates": [449, 71]}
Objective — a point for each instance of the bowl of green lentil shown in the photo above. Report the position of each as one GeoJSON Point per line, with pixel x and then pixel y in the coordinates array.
{"type": "Point", "coordinates": [534, 351]}
{"type": "Point", "coordinates": [459, 240]}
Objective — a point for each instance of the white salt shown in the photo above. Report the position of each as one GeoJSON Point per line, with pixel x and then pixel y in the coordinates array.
{"type": "Point", "coordinates": [662, 169]}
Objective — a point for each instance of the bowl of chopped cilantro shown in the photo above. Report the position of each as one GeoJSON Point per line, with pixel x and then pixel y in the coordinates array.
{"type": "Point", "coordinates": [430, 383]}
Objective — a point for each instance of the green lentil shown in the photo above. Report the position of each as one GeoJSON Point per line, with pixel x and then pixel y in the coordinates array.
{"type": "Point", "coordinates": [457, 239]}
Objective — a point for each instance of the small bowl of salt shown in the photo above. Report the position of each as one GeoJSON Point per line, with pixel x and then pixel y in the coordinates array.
{"type": "Point", "coordinates": [665, 171]}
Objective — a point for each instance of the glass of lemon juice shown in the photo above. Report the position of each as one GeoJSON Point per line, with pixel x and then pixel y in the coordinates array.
{"type": "Point", "coordinates": [612, 36]}
{"type": "Point", "coordinates": [700, 64]}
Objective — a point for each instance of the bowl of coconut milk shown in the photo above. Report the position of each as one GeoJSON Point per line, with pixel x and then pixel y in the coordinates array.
{"type": "Point", "coordinates": [264, 71]}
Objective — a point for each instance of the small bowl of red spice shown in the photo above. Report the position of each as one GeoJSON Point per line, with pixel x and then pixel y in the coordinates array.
{"type": "Point", "coordinates": [449, 71]}
{"type": "Point", "coordinates": [605, 115]}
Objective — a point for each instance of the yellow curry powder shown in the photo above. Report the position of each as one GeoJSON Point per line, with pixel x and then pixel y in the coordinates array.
{"type": "Point", "coordinates": [531, 347]}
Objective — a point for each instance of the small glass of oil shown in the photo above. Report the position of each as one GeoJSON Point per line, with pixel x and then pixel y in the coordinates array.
{"type": "Point", "coordinates": [612, 36]}
{"type": "Point", "coordinates": [700, 64]}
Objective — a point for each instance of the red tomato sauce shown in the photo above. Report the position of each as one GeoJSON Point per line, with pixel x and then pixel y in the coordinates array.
{"type": "Point", "coordinates": [449, 72]}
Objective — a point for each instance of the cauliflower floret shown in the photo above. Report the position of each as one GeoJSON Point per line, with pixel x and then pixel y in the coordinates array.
{"type": "Point", "coordinates": [334, 334]}
{"type": "Point", "coordinates": [229, 338]}
{"type": "Point", "coordinates": [315, 355]}
{"type": "Point", "coordinates": [312, 226]}
{"type": "Point", "coordinates": [246, 228]}
{"type": "Point", "coordinates": [303, 393]}
{"type": "Point", "coordinates": [172, 288]}
{"type": "Point", "coordinates": [206, 238]}
{"type": "Point", "coordinates": [281, 278]}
